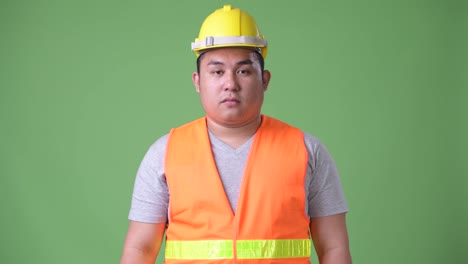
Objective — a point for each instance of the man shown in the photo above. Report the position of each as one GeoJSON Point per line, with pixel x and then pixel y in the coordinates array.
{"type": "Point", "coordinates": [236, 185]}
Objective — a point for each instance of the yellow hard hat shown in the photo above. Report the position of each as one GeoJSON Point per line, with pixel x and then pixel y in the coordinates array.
{"type": "Point", "coordinates": [229, 27]}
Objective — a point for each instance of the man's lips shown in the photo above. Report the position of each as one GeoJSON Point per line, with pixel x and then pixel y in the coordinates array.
{"type": "Point", "coordinates": [230, 100]}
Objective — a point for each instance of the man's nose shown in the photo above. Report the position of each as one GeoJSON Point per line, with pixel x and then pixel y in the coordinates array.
{"type": "Point", "coordinates": [230, 82]}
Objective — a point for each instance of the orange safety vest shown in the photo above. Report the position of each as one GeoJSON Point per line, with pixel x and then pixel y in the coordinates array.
{"type": "Point", "coordinates": [270, 224]}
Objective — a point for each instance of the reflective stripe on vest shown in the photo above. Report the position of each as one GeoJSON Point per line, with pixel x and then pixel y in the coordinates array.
{"type": "Point", "coordinates": [246, 249]}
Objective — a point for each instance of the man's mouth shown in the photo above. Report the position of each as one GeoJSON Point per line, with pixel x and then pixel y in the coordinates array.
{"type": "Point", "coordinates": [230, 100]}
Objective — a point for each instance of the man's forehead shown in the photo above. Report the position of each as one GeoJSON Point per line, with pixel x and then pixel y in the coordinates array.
{"type": "Point", "coordinates": [229, 54]}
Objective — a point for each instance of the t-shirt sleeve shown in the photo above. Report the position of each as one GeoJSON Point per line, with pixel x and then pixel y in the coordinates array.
{"type": "Point", "coordinates": [325, 193]}
{"type": "Point", "coordinates": [150, 197]}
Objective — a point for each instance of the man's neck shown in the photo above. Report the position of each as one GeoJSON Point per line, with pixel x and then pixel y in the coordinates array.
{"type": "Point", "coordinates": [234, 136]}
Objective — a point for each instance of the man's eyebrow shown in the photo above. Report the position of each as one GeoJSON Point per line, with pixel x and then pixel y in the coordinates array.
{"type": "Point", "coordinates": [213, 62]}
{"type": "Point", "coordinates": [245, 62]}
{"type": "Point", "coordinates": [242, 62]}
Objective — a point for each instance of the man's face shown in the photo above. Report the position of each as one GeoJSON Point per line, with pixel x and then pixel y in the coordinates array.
{"type": "Point", "coordinates": [231, 85]}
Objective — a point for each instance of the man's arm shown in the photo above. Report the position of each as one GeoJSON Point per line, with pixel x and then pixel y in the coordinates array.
{"type": "Point", "coordinates": [330, 237]}
{"type": "Point", "coordinates": [142, 243]}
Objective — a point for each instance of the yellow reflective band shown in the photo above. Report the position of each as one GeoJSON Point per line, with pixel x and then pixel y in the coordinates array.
{"type": "Point", "coordinates": [204, 249]}
{"type": "Point", "coordinates": [246, 249]}
{"type": "Point", "coordinates": [269, 249]}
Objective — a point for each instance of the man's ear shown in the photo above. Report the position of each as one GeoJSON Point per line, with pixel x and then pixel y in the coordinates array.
{"type": "Point", "coordinates": [266, 76]}
{"type": "Point", "coordinates": [196, 81]}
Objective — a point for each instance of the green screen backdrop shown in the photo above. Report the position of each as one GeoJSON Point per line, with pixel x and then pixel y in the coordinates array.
{"type": "Point", "coordinates": [87, 86]}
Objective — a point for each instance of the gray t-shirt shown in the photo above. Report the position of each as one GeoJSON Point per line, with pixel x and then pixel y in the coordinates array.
{"type": "Point", "coordinates": [151, 195]}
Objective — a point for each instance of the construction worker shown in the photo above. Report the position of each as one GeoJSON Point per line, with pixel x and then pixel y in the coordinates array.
{"type": "Point", "coordinates": [236, 186]}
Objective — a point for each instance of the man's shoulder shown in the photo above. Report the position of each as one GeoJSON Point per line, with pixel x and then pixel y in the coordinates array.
{"type": "Point", "coordinates": [159, 146]}
{"type": "Point", "coordinates": [308, 137]}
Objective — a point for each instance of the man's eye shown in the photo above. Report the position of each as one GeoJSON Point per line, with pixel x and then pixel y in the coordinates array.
{"type": "Point", "coordinates": [218, 72]}
{"type": "Point", "coordinates": [242, 71]}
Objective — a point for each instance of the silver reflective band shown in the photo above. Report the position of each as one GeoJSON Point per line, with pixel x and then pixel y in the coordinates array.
{"type": "Point", "coordinates": [246, 249]}
{"type": "Point", "coordinates": [212, 41]}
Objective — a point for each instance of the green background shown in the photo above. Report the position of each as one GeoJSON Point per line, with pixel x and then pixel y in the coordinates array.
{"type": "Point", "coordinates": [87, 86]}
